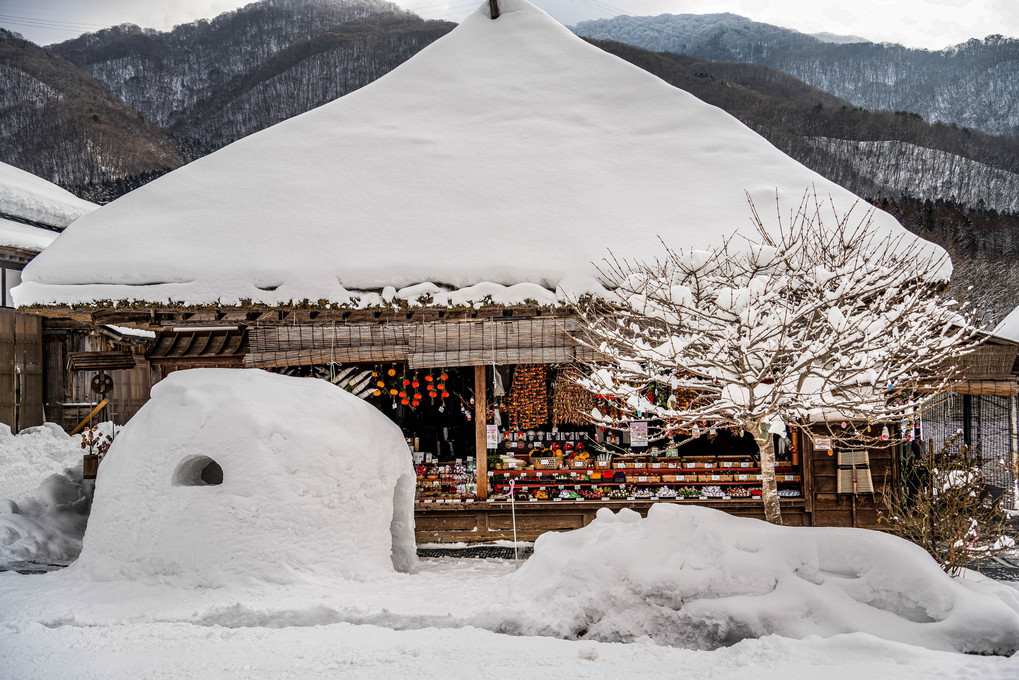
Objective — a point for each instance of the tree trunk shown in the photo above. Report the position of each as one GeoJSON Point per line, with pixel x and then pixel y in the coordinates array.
{"type": "Point", "coordinates": [769, 485]}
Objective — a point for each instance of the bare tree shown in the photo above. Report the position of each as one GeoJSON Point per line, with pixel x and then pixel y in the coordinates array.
{"type": "Point", "coordinates": [945, 507]}
{"type": "Point", "coordinates": [814, 321]}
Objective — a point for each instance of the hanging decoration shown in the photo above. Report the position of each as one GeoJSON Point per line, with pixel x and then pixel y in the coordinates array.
{"type": "Point", "coordinates": [571, 403]}
{"type": "Point", "coordinates": [528, 403]}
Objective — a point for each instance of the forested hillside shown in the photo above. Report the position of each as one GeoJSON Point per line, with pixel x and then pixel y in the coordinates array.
{"type": "Point", "coordinates": [974, 85]}
{"type": "Point", "coordinates": [58, 123]}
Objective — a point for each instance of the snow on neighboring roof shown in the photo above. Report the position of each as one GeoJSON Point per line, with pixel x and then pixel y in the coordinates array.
{"type": "Point", "coordinates": [17, 235]}
{"type": "Point", "coordinates": [1009, 327]}
{"type": "Point", "coordinates": [32, 198]}
{"type": "Point", "coordinates": [508, 153]}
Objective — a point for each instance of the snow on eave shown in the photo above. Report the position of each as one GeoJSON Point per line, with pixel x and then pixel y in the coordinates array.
{"type": "Point", "coordinates": [1008, 329]}
{"type": "Point", "coordinates": [28, 197]}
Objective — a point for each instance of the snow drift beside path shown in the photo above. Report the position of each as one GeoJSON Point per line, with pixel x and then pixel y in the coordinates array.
{"type": "Point", "coordinates": [502, 160]}
{"type": "Point", "coordinates": [312, 482]}
{"type": "Point", "coordinates": [41, 523]}
{"type": "Point", "coordinates": [696, 577]}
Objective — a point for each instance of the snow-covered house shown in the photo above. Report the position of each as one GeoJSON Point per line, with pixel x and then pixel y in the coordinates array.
{"type": "Point", "coordinates": [432, 229]}
{"type": "Point", "coordinates": [32, 213]}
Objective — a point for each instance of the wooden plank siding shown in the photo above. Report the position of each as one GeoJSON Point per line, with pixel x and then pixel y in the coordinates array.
{"type": "Point", "coordinates": [21, 370]}
{"type": "Point", "coordinates": [828, 507]}
{"type": "Point", "coordinates": [421, 345]}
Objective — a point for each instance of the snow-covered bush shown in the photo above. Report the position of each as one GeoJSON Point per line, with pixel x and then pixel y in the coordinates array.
{"type": "Point", "coordinates": [697, 577]}
{"type": "Point", "coordinates": [232, 475]}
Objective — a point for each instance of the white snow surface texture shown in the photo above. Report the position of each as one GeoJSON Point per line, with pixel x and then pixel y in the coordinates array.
{"type": "Point", "coordinates": [1009, 326]}
{"type": "Point", "coordinates": [44, 503]}
{"type": "Point", "coordinates": [24, 195]}
{"type": "Point", "coordinates": [316, 483]}
{"type": "Point", "coordinates": [502, 160]}
{"type": "Point", "coordinates": [699, 578]}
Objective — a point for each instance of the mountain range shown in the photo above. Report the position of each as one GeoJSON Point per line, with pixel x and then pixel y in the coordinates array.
{"type": "Point", "coordinates": [974, 84]}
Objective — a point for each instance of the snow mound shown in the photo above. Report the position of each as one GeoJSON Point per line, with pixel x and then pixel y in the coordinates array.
{"type": "Point", "coordinates": [231, 476]}
{"type": "Point", "coordinates": [502, 160]}
{"type": "Point", "coordinates": [41, 523]}
{"type": "Point", "coordinates": [700, 578]}
{"type": "Point", "coordinates": [33, 454]}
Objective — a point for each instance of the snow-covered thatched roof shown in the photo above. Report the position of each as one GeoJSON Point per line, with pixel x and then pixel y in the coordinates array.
{"type": "Point", "coordinates": [32, 209]}
{"type": "Point", "coordinates": [500, 161]}
{"type": "Point", "coordinates": [1009, 327]}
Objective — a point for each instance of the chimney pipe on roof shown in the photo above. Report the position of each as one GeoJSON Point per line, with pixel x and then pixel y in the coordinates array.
{"type": "Point", "coordinates": [493, 6]}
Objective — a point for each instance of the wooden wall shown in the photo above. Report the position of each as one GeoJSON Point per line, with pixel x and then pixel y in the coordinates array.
{"type": "Point", "coordinates": [21, 370]}
{"type": "Point", "coordinates": [68, 394]}
{"type": "Point", "coordinates": [831, 509]}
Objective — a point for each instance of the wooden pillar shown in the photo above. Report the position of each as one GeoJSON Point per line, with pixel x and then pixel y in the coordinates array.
{"type": "Point", "coordinates": [493, 6]}
{"type": "Point", "coordinates": [481, 431]}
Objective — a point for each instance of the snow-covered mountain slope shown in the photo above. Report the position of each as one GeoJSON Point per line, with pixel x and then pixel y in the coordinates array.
{"type": "Point", "coordinates": [974, 84]}
{"type": "Point", "coordinates": [926, 174]}
{"type": "Point", "coordinates": [164, 74]}
{"type": "Point", "coordinates": [509, 152]}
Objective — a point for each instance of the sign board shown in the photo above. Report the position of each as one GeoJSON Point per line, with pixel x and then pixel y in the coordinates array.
{"type": "Point", "coordinates": [638, 434]}
{"type": "Point", "coordinates": [822, 444]}
{"type": "Point", "coordinates": [492, 432]}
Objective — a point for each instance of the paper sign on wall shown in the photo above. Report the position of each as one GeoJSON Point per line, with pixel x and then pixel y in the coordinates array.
{"type": "Point", "coordinates": [638, 434]}
{"type": "Point", "coordinates": [493, 436]}
{"type": "Point", "coordinates": [822, 444]}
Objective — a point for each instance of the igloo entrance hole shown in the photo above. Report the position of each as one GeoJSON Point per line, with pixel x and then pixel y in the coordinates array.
{"type": "Point", "coordinates": [197, 471]}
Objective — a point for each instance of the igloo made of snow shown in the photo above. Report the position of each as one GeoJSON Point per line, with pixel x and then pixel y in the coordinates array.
{"type": "Point", "coordinates": [228, 475]}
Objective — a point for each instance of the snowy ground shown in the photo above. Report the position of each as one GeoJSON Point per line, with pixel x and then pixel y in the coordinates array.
{"type": "Point", "coordinates": [53, 627]}
{"type": "Point", "coordinates": [430, 624]}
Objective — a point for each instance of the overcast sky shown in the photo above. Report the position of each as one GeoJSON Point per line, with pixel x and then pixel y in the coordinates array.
{"type": "Point", "coordinates": [917, 23]}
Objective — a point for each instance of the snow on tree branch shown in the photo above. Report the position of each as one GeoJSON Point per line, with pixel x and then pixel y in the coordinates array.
{"type": "Point", "coordinates": [820, 319]}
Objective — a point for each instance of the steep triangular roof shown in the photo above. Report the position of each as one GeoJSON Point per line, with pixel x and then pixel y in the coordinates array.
{"type": "Point", "coordinates": [508, 153]}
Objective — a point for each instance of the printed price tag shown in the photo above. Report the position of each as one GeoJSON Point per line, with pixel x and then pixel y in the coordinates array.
{"type": "Point", "coordinates": [428, 500]}
{"type": "Point", "coordinates": [533, 500]}
{"type": "Point", "coordinates": [742, 478]}
{"type": "Point", "coordinates": [638, 466]}
{"type": "Point", "coordinates": [690, 465]}
{"type": "Point", "coordinates": [746, 464]}
{"type": "Point", "coordinates": [630, 498]}
{"type": "Point", "coordinates": [672, 466]}
{"type": "Point", "coordinates": [490, 500]}
{"type": "Point", "coordinates": [578, 499]}
{"type": "Point", "coordinates": [556, 499]}
{"type": "Point", "coordinates": [469, 500]}
{"type": "Point", "coordinates": [642, 479]}
{"type": "Point", "coordinates": [727, 464]}
{"type": "Point", "coordinates": [716, 478]}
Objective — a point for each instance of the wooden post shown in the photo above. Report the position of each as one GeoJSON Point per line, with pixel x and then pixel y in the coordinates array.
{"type": "Point", "coordinates": [493, 6]}
{"type": "Point", "coordinates": [481, 431]}
{"type": "Point", "coordinates": [92, 413]}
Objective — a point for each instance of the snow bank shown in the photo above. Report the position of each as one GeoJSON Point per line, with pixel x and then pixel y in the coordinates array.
{"type": "Point", "coordinates": [33, 454]}
{"type": "Point", "coordinates": [502, 160]}
{"type": "Point", "coordinates": [41, 523]}
{"type": "Point", "coordinates": [699, 578]}
{"type": "Point", "coordinates": [229, 476]}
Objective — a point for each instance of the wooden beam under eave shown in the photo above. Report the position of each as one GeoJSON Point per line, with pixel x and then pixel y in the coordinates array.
{"type": "Point", "coordinates": [481, 432]}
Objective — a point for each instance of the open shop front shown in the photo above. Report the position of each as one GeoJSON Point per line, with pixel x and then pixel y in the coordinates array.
{"type": "Point", "coordinates": [494, 442]}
